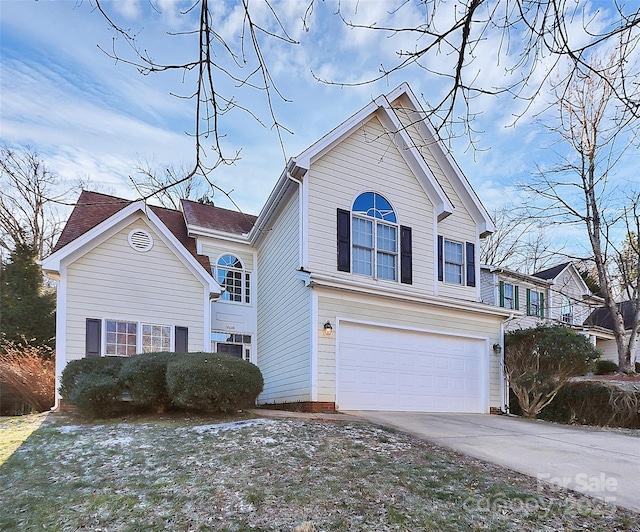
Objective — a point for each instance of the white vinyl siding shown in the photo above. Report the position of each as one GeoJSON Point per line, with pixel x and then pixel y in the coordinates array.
{"type": "Point", "coordinates": [459, 226]}
{"type": "Point", "coordinates": [283, 312]}
{"type": "Point", "coordinates": [368, 160]}
{"type": "Point", "coordinates": [418, 317]}
{"type": "Point", "coordinates": [155, 287]}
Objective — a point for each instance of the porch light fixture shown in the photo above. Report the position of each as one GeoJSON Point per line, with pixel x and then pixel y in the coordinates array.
{"type": "Point", "coordinates": [328, 328]}
{"type": "Point", "coordinates": [497, 349]}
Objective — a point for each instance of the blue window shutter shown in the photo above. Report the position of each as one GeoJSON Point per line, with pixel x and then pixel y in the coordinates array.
{"type": "Point", "coordinates": [93, 337]}
{"type": "Point", "coordinates": [502, 293]}
{"type": "Point", "coordinates": [516, 297]}
{"type": "Point", "coordinates": [406, 258]}
{"type": "Point", "coordinates": [344, 241]}
{"type": "Point", "coordinates": [541, 305]}
{"type": "Point", "coordinates": [440, 258]}
{"type": "Point", "coordinates": [471, 264]}
{"type": "Point", "coordinates": [181, 340]}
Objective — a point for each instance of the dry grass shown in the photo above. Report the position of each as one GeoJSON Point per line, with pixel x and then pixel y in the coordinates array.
{"type": "Point", "coordinates": [291, 475]}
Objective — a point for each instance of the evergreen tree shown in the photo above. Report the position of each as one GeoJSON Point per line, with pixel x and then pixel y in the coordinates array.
{"type": "Point", "coordinates": [26, 308]}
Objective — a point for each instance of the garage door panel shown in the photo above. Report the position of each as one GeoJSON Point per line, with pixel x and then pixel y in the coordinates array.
{"type": "Point", "coordinates": [382, 368]}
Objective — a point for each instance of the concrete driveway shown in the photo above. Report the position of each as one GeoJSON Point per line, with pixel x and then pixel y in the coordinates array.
{"type": "Point", "coordinates": [595, 462]}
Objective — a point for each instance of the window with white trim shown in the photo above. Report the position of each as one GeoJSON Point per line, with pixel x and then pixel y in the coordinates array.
{"type": "Point", "coordinates": [156, 338]}
{"type": "Point", "coordinates": [453, 262]}
{"type": "Point", "coordinates": [566, 310]}
{"type": "Point", "coordinates": [237, 345]}
{"type": "Point", "coordinates": [374, 233]}
{"type": "Point", "coordinates": [235, 280]}
{"type": "Point", "coordinates": [126, 338]}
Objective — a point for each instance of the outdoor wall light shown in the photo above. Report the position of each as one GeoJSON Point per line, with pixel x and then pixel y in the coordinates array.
{"type": "Point", "coordinates": [497, 349]}
{"type": "Point", "coordinates": [327, 328]}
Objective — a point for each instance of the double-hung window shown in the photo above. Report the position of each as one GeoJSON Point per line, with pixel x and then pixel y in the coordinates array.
{"type": "Point", "coordinates": [535, 303]}
{"type": "Point", "coordinates": [126, 338]}
{"type": "Point", "coordinates": [509, 296]}
{"type": "Point", "coordinates": [456, 262]}
{"type": "Point", "coordinates": [374, 237]}
{"type": "Point", "coordinates": [235, 280]}
{"type": "Point", "coordinates": [566, 310]}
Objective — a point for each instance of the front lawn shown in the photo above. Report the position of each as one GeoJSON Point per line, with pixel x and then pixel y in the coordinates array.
{"type": "Point", "coordinates": [264, 474]}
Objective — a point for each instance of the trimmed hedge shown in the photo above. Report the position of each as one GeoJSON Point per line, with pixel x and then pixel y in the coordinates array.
{"type": "Point", "coordinates": [145, 377]}
{"type": "Point", "coordinates": [190, 381]}
{"type": "Point", "coordinates": [213, 382]}
{"type": "Point", "coordinates": [94, 386]}
{"type": "Point", "coordinates": [605, 367]}
{"type": "Point", "coordinates": [594, 403]}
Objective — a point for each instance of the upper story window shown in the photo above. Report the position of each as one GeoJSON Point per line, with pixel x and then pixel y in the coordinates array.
{"type": "Point", "coordinates": [566, 310]}
{"type": "Point", "coordinates": [231, 276]}
{"type": "Point", "coordinates": [370, 241]}
{"type": "Point", "coordinates": [374, 237]}
{"type": "Point", "coordinates": [456, 262]}
{"type": "Point", "coordinates": [535, 303]}
{"type": "Point", "coordinates": [509, 295]}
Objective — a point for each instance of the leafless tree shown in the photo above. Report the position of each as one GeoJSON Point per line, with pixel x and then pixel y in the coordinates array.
{"type": "Point", "coordinates": [29, 194]}
{"type": "Point", "coordinates": [215, 61]}
{"type": "Point", "coordinates": [500, 47]}
{"type": "Point", "coordinates": [168, 186]}
{"type": "Point", "coordinates": [596, 133]}
{"type": "Point", "coordinates": [519, 242]}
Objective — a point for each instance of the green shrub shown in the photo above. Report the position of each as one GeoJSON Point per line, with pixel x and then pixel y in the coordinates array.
{"type": "Point", "coordinates": [75, 370]}
{"type": "Point", "coordinates": [98, 395]}
{"type": "Point", "coordinates": [539, 361]}
{"type": "Point", "coordinates": [145, 378]}
{"type": "Point", "coordinates": [212, 382]}
{"type": "Point", "coordinates": [605, 367]}
{"type": "Point", "coordinates": [594, 403]}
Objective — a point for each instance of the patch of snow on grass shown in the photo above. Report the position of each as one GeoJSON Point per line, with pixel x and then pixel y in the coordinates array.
{"type": "Point", "coordinates": [200, 429]}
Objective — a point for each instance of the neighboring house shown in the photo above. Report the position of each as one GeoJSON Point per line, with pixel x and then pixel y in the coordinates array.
{"type": "Point", "coordinates": [551, 296]}
{"type": "Point", "coordinates": [600, 319]}
{"type": "Point", "coordinates": [357, 286]}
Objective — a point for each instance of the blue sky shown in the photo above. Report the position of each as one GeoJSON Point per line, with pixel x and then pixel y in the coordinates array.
{"type": "Point", "coordinates": [96, 119]}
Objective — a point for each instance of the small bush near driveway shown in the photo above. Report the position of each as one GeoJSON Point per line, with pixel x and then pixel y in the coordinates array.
{"type": "Point", "coordinates": [212, 382]}
{"type": "Point", "coordinates": [542, 360]}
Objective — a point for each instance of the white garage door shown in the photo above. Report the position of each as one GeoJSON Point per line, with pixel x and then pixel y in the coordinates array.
{"type": "Point", "coordinates": [382, 368]}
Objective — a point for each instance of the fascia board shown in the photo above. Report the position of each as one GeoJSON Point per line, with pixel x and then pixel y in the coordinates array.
{"type": "Point", "coordinates": [446, 161]}
{"type": "Point", "coordinates": [271, 206]}
{"type": "Point", "coordinates": [416, 162]}
{"type": "Point", "coordinates": [334, 137]}
{"type": "Point", "coordinates": [521, 276]}
{"type": "Point", "coordinates": [98, 234]}
{"type": "Point", "coordinates": [181, 252]}
{"type": "Point", "coordinates": [196, 230]}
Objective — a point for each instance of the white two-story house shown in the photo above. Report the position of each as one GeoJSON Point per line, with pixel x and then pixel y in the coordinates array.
{"type": "Point", "coordinates": [356, 287]}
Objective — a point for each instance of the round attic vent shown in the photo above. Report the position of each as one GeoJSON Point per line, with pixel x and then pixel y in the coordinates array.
{"type": "Point", "coordinates": [140, 240]}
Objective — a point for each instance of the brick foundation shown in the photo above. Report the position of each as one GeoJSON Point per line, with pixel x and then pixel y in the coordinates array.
{"type": "Point", "coordinates": [496, 411]}
{"type": "Point", "coordinates": [303, 406]}
{"type": "Point", "coordinates": [66, 406]}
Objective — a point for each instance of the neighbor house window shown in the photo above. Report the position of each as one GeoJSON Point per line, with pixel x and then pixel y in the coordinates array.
{"type": "Point", "coordinates": [232, 276]}
{"type": "Point", "coordinates": [237, 345]}
{"type": "Point", "coordinates": [566, 310]}
{"type": "Point", "coordinates": [535, 303]}
{"type": "Point", "coordinates": [509, 296]}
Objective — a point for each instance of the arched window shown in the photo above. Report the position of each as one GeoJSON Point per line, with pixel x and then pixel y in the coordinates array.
{"type": "Point", "coordinates": [374, 239]}
{"type": "Point", "coordinates": [234, 279]}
